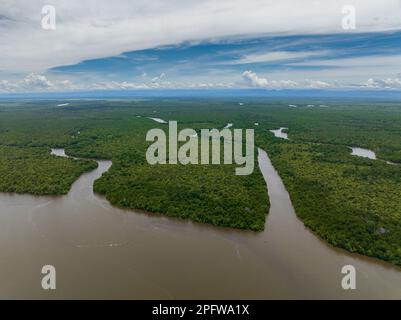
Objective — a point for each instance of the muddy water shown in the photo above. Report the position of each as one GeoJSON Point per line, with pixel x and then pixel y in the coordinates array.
{"type": "Point", "coordinates": [100, 251]}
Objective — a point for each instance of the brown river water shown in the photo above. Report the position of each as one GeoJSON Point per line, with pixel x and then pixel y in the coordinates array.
{"type": "Point", "coordinates": [100, 251]}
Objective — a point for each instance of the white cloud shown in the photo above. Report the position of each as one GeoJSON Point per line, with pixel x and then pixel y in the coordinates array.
{"type": "Point", "coordinates": [277, 56]}
{"type": "Point", "coordinates": [383, 84]}
{"type": "Point", "coordinates": [253, 80]}
{"type": "Point", "coordinates": [114, 85]}
{"type": "Point", "coordinates": [318, 84]}
{"type": "Point", "coordinates": [159, 78]}
{"type": "Point", "coordinates": [35, 82]}
{"type": "Point", "coordinates": [40, 83]}
{"type": "Point", "coordinates": [102, 28]}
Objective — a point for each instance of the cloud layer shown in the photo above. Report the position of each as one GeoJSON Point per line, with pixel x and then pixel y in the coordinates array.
{"type": "Point", "coordinates": [286, 44]}
{"type": "Point", "coordinates": [40, 83]}
{"type": "Point", "coordinates": [102, 28]}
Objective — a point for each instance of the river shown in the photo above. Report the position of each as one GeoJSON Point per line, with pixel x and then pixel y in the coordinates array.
{"type": "Point", "coordinates": [100, 251]}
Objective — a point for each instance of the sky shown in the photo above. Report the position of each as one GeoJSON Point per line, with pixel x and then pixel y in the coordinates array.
{"type": "Point", "coordinates": [209, 44]}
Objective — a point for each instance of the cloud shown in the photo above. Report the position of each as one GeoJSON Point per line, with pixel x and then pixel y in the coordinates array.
{"type": "Point", "coordinates": [383, 84]}
{"type": "Point", "coordinates": [40, 83]}
{"type": "Point", "coordinates": [114, 85]}
{"type": "Point", "coordinates": [253, 80]}
{"type": "Point", "coordinates": [35, 82]}
{"type": "Point", "coordinates": [159, 78]}
{"type": "Point", "coordinates": [277, 56]}
{"type": "Point", "coordinates": [96, 29]}
{"type": "Point", "coordinates": [317, 84]}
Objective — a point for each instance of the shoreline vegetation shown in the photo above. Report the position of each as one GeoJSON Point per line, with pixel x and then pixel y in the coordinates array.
{"type": "Point", "coordinates": [209, 194]}
{"type": "Point", "coordinates": [34, 171]}
{"type": "Point", "coordinates": [351, 202]}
